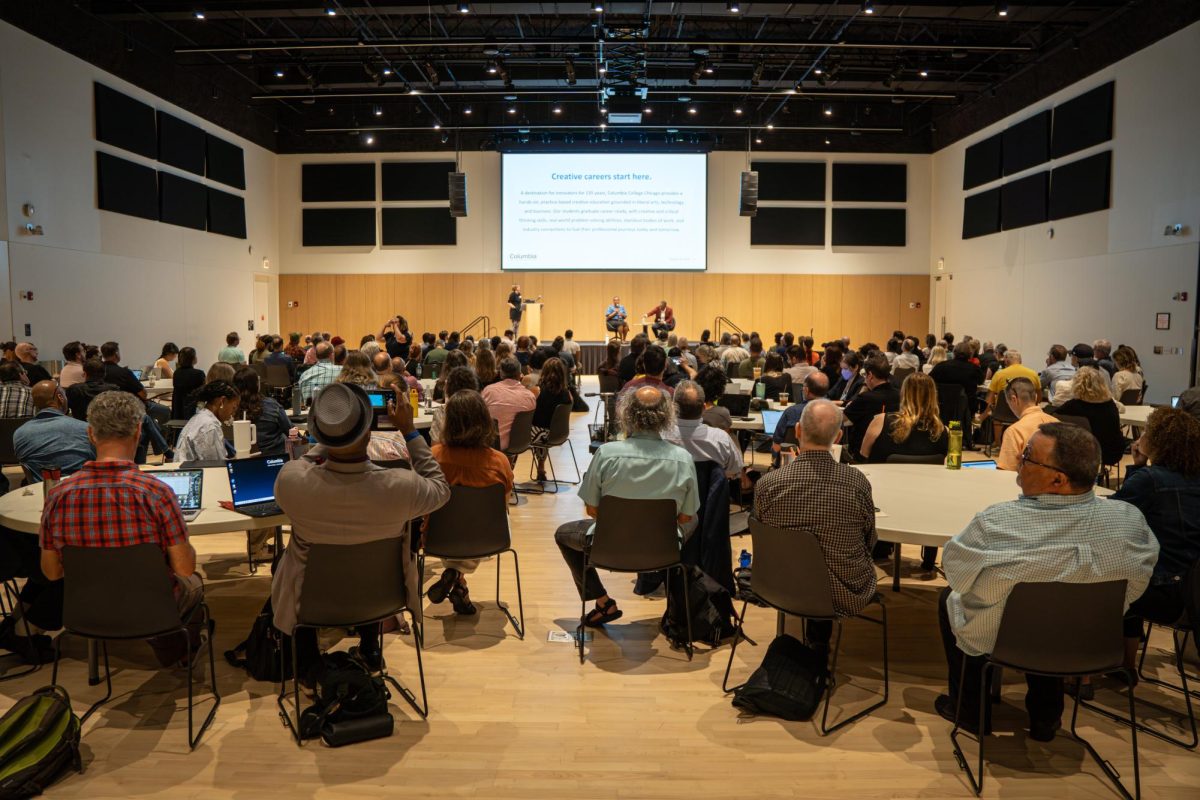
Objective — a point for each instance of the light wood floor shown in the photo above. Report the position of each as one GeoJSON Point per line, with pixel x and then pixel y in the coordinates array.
{"type": "Point", "coordinates": [523, 719]}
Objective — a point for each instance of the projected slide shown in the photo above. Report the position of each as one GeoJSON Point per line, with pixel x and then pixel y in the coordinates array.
{"type": "Point", "coordinates": [604, 211]}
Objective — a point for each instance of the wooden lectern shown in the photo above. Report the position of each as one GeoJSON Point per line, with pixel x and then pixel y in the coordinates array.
{"type": "Point", "coordinates": [531, 320]}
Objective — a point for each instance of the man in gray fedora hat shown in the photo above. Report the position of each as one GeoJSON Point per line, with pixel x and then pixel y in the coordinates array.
{"type": "Point", "coordinates": [335, 495]}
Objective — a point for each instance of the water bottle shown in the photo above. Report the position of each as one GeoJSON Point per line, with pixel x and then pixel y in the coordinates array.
{"type": "Point", "coordinates": [744, 559]}
{"type": "Point", "coordinates": [414, 402]}
{"type": "Point", "coordinates": [297, 400]}
{"type": "Point", "coordinates": [954, 456]}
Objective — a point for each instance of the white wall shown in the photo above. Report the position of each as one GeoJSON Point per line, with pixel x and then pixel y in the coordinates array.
{"type": "Point", "coordinates": [96, 275]}
{"type": "Point", "coordinates": [1101, 275]}
{"type": "Point", "coordinates": [478, 248]}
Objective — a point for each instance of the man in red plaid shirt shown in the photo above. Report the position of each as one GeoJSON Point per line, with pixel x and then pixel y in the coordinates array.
{"type": "Point", "coordinates": [110, 503]}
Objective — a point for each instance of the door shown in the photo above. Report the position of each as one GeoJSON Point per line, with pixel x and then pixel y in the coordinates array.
{"type": "Point", "coordinates": [941, 303]}
{"type": "Point", "coordinates": [262, 311]}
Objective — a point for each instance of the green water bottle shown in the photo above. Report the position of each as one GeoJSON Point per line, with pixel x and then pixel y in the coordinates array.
{"type": "Point", "coordinates": [954, 455]}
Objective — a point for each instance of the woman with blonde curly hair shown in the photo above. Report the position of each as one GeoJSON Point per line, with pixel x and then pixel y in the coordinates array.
{"type": "Point", "coordinates": [1092, 400]}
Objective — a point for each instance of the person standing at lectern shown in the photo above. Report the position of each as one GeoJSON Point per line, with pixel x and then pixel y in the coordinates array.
{"type": "Point", "coordinates": [614, 319]}
{"type": "Point", "coordinates": [663, 316]}
{"type": "Point", "coordinates": [515, 308]}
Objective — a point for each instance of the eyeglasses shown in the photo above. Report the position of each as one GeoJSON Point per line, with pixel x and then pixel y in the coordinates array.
{"type": "Point", "coordinates": [1025, 459]}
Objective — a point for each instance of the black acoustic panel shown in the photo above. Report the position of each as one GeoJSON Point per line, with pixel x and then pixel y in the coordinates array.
{"type": "Point", "coordinates": [983, 162]}
{"type": "Point", "coordinates": [790, 180]}
{"type": "Point", "coordinates": [874, 183]}
{"type": "Point", "coordinates": [338, 227]}
{"type": "Point", "coordinates": [788, 226]}
{"type": "Point", "coordinates": [869, 227]}
{"type": "Point", "coordinates": [417, 180]}
{"type": "Point", "coordinates": [1081, 187]}
{"type": "Point", "coordinates": [226, 214]}
{"type": "Point", "coordinates": [1024, 202]}
{"type": "Point", "coordinates": [125, 187]}
{"type": "Point", "coordinates": [124, 122]}
{"type": "Point", "coordinates": [182, 202]}
{"type": "Point", "coordinates": [180, 144]}
{"type": "Point", "coordinates": [981, 214]}
{"type": "Point", "coordinates": [224, 162]}
{"type": "Point", "coordinates": [1027, 143]}
{"type": "Point", "coordinates": [329, 183]}
{"type": "Point", "coordinates": [419, 226]}
{"type": "Point", "coordinates": [1085, 121]}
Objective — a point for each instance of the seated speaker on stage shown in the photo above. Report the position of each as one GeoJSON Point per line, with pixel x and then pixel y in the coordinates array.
{"type": "Point", "coordinates": [663, 316]}
{"type": "Point", "coordinates": [614, 319]}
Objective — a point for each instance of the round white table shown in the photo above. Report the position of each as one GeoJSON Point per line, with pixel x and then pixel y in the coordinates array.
{"type": "Point", "coordinates": [1136, 416]}
{"type": "Point", "coordinates": [158, 388]}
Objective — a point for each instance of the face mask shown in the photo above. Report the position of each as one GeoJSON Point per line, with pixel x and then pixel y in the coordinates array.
{"type": "Point", "coordinates": [847, 374]}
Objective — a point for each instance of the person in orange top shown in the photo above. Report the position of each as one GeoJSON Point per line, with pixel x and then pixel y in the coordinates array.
{"type": "Point", "coordinates": [466, 457]}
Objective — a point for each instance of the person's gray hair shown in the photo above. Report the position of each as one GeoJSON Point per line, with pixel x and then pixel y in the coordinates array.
{"type": "Point", "coordinates": [689, 399]}
{"type": "Point", "coordinates": [1076, 452]}
{"type": "Point", "coordinates": [323, 351]}
{"type": "Point", "coordinates": [820, 422]}
{"type": "Point", "coordinates": [1023, 389]}
{"type": "Point", "coordinates": [510, 368]}
{"type": "Point", "coordinates": [637, 416]}
{"type": "Point", "coordinates": [1012, 357]}
{"type": "Point", "coordinates": [115, 415]}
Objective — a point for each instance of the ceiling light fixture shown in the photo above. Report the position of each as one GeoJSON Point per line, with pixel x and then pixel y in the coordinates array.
{"type": "Point", "coordinates": [512, 109]}
{"type": "Point", "coordinates": [603, 69]}
{"type": "Point", "coordinates": [924, 73]}
{"type": "Point", "coordinates": [378, 111]}
{"type": "Point", "coordinates": [387, 71]}
{"type": "Point", "coordinates": [770, 126]}
{"type": "Point", "coordinates": [738, 110]}
{"type": "Point", "coordinates": [413, 90]}
{"type": "Point", "coordinates": [868, 7]}
{"type": "Point", "coordinates": [647, 110]}
{"type": "Point", "coordinates": [826, 141]}
{"type": "Point", "coordinates": [828, 110]}
{"type": "Point", "coordinates": [557, 109]}
{"type": "Point", "coordinates": [734, 8]}
{"type": "Point", "coordinates": [692, 109]}
{"type": "Point", "coordinates": [198, 13]}
{"type": "Point", "coordinates": [1002, 9]}
{"type": "Point", "coordinates": [368, 139]}
{"type": "Point", "coordinates": [437, 126]}
{"type": "Point", "coordinates": [758, 140]}
{"type": "Point", "coordinates": [598, 8]}
{"type": "Point", "coordinates": [279, 73]}
{"type": "Point", "coordinates": [464, 8]}
{"type": "Point", "coordinates": [818, 71]}
{"type": "Point", "coordinates": [330, 11]}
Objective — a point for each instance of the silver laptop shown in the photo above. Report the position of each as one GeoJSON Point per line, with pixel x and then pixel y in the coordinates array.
{"type": "Point", "coordinates": [188, 485]}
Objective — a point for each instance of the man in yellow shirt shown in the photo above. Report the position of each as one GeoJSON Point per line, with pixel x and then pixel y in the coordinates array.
{"type": "Point", "coordinates": [1023, 397]}
{"type": "Point", "coordinates": [1013, 368]}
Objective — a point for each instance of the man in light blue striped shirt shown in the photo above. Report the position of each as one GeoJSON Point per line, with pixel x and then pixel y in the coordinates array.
{"type": "Point", "coordinates": [1057, 531]}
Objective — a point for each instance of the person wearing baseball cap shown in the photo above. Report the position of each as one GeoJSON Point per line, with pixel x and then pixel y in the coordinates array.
{"type": "Point", "coordinates": [1189, 401]}
{"type": "Point", "coordinates": [336, 495]}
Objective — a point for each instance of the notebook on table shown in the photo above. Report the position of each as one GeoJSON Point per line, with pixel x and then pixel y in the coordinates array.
{"type": "Point", "coordinates": [252, 485]}
{"type": "Point", "coordinates": [188, 485]}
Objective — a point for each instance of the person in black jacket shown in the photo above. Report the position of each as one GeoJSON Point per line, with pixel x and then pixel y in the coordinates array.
{"type": "Point", "coordinates": [186, 380]}
{"type": "Point", "coordinates": [81, 395]}
{"type": "Point", "coordinates": [878, 396]}
{"type": "Point", "coordinates": [628, 366]}
{"type": "Point", "coordinates": [959, 370]}
{"type": "Point", "coordinates": [849, 380]}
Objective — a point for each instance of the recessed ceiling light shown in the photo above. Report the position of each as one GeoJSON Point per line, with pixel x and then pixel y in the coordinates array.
{"type": "Point", "coordinates": [1002, 9]}
{"type": "Point", "coordinates": [647, 110]}
{"type": "Point", "coordinates": [437, 126]}
{"type": "Point", "coordinates": [737, 110]}
{"type": "Point", "coordinates": [279, 73]}
{"type": "Point", "coordinates": [464, 8]}
{"type": "Point", "coordinates": [512, 109]}
{"type": "Point", "coordinates": [924, 73]}
{"type": "Point", "coordinates": [413, 90]}
{"type": "Point", "coordinates": [198, 13]}
{"type": "Point", "coordinates": [603, 110]}
{"type": "Point", "coordinates": [603, 69]}
{"type": "Point", "coordinates": [558, 109]}
{"type": "Point", "coordinates": [692, 109]}
{"type": "Point", "coordinates": [828, 110]}
{"type": "Point", "coordinates": [467, 110]}
{"type": "Point", "coordinates": [603, 126]}
{"type": "Point", "coordinates": [379, 111]}
{"type": "Point", "coordinates": [369, 139]}
{"type": "Point", "coordinates": [818, 71]}
{"type": "Point", "coordinates": [757, 140]}
{"type": "Point", "coordinates": [868, 7]}
{"type": "Point", "coordinates": [734, 8]}
{"type": "Point", "coordinates": [826, 141]}
{"type": "Point", "coordinates": [387, 71]}
{"type": "Point", "coordinates": [330, 11]}
{"type": "Point", "coordinates": [770, 126]}
{"type": "Point", "coordinates": [598, 8]}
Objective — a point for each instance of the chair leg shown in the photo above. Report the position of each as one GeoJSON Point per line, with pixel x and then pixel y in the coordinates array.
{"type": "Point", "coordinates": [737, 634]}
{"type": "Point", "coordinates": [194, 740]}
{"type": "Point", "coordinates": [518, 626]}
{"type": "Point", "coordinates": [107, 680]}
{"type": "Point", "coordinates": [10, 600]}
{"type": "Point", "coordinates": [553, 474]}
{"type": "Point", "coordinates": [282, 701]}
{"type": "Point", "coordinates": [1106, 767]}
{"type": "Point", "coordinates": [688, 647]}
{"type": "Point", "coordinates": [405, 692]}
{"type": "Point", "coordinates": [882, 622]}
{"type": "Point", "coordinates": [896, 567]}
{"type": "Point", "coordinates": [959, 756]}
{"type": "Point", "coordinates": [575, 461]}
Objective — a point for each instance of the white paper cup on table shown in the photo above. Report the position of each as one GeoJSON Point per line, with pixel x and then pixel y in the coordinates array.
{"type": "Point", "coordinates": [245, 436]}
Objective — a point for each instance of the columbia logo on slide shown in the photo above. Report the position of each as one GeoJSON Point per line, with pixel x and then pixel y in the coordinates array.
{"type": "Point", "coordinates": [526, 256]}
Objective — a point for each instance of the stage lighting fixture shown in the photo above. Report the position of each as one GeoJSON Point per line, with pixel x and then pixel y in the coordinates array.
{"type": "Point", "coordinates": [738, 110]}
{"type": "Point", "coordinates": [330, 11]}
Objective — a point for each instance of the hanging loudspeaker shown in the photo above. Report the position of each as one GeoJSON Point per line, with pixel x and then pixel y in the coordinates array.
{"type": "Point", "coordinates": [458, 193]}
{"type": "Point", "coordinates": [748, 199]}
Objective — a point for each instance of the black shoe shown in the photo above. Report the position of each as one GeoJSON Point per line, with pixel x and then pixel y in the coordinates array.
{"type": "Point", "coordinates": [945, 708]}
{"type": "Point", "coordinates": [1044, 732]}
{"type": "Point", "coordinates": [461, 600]}
{"type": "Point", "coordinates": [1086, 691]}
{"type": "Point", "coordinates": [438, 591]}
{"type": "Point", "coordinates": [36, 649]}
{"type": "Point", "coordinates": [371, 659]}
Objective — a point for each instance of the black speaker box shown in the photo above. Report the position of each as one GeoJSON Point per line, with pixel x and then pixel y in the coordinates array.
{"type": "Point", "coordinates": [458, 193]}
{"type": "Point", "coordinates": [748, 199]}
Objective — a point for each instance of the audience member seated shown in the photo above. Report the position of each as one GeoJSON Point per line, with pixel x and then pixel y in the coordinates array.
{"type": "Point", "coordinates": [702, 441]}
{"type": "Point", "coordinates": [747, 366]}
{"type": "Point", "coordinates": [937, 354]}
{"type": "Point", "coordinates": [261, 344]}
{"type": "Point", "coordinates": [553, 391]}
{"type": "Point", "coordinates": [80, 395]}
{"type": "Point", "coordinates": [629, 364]}
{"type": "Point", "coordinates": [123, 378]}
{"type": "Point", "coordinates": [1057, 369]}
{"type": "Point", "coordinates": [1091, 399]}
{"type": "Point", "coordinates": [831, 501]}
{"type": "Point", "coordinates": [850, 380]}
{"type": "Point", "coordinates": [231, 353]}
{"type": "Point", "coordinates": [335, 495]}
{"type": "Point", "coordinates": [279, 358]}
{"type": "Point", "coordinates": [322, 373]}
{"type": "Point", "coordinates": [74, 355]}
{"type": "Point", "coordinates": [907, 357]}
{"type": "Point", "coordinates": [830, 364]}
{"type": "Point", "coordinates": [774, 380]}
{"type": "Point", "coordinates": [357, 370]}
{"type": "Point", "coordinates": [434, 360]}
{"type": "Point", "coordinates": [27, 356]}
{"type": "Point", "coordinates": [220, 371]}
{"type": "Point", "coordinates": [270, 420]}
{"type": "Point", "coordinates": [650, 369]}
{"type": "Point", "coordinates": [1127, 378]}
{"type": "Point", "coordinates": [558, 349]}
{"type": "Point", "coordinates": [15, 400]}
{"type": "Point", "coordinates": [1164, 484]}
{"type": "Point", "coordinates": [293, 349]}
{"type": "Point", "coordinates": [203, 438]}
{"type": "Point", "coordinates": [485, 368]}
{"type": "Point", "coordinates": [814, 387]}
{"type": "Point", "coordinates": [508, 398]}
{"type": "Point", "coordinates": [413, 364]}
{"type": "Point", "coordinates": [457, 380]}
{"type": "Point", "coordinates": [466, 457]}
{"type": "Point", "coordinates": [186, 380]}
{"type": "Point", "coordinates": [959, 370]}
{"type": "Point", "coordinates": [533, 370]}
{"type": "Point", "coordinates": [110, 503]}
{"type": "Point", "coordinates": [1084, 355]}
{"type": "Point", "coordinates": [1189, 401]}
{"type": "Point", "coordinates": [733, 353]}
{"type": "Point", "coordinates": [713, 381]}
{"type": "Point", "coordinates": [51, 438]}
{"type": "Point", "coordinates": [1056, 531]}
{"type": "Point", "coordinates": [611, 364]}
{"type": "Point", "coordinates": [640, 467]}
{"type": "Point", "coordinates": [170, 351]}
{"type": "Point", "coordinates": [878, 396]}
{"type": "Point", "coordinates": [1013, 368]}
{"type": "Point", "coordinates": [1023, 400]}
{"type": "Point", "coordinates": [1102, 349]}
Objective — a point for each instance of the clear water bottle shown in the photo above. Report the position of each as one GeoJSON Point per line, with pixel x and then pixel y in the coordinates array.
{"type": "Point", "coordinates": [744, 559]}
{"type": "Point", "coordinates": [954, 454]}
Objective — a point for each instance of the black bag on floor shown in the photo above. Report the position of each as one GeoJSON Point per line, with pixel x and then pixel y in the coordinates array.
{"type": "Point", "coordinates": [788, 684]}
{"type": "Point", "coordinates": [39, 739]}
{"type": "Point", "coordinates": [350, 704]}
{"type": "Point", "coordinates": [711, 607]}
{"type": "Point", "coordinates": [259, 654]}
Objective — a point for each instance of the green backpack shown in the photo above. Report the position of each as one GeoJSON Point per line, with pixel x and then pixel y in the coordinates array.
{"type": "Point", "coordinates": [39, 738]}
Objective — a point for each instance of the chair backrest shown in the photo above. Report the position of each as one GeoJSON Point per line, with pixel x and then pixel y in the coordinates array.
{"type": "Point", "coordinates": [1003, 411]}
{"type": "Point", "coordinates": [472, 524]}
{"type": "Point", "coordinates": [8, 426]}
{"type": "Point", "coordinates": [731, 369]}
{"type": "Point", "coordinates": [1071, 419]}
{"type": "Point", "coordinates": [118, 592]}
{"type": "Point", "coordinates": [952, 403]}
{"type": "Point", "coordinates": [560, 426]}
{"type": "Point", "coordinates": [789, 571]}
{"type": "Point", "coordinates": [1063, 628]}
{"type": "Point", "coordinates": [635, 535]}
{"type": "Point", "coordinates": [346, 584]}
{"type": "Point", "coordinates": [520, 435]}
{"type": "Point", "coordinates": [610, 384]}
{"type": "Point", "coordinates": [1131, 397]}
{"type": "Point", "coordinates": [277, 376]}
{"type": "Point", "coordinates": [260, 368]}
{"type": "Point", "coordinates": [898, 458]}
{"type": "Point", "coordinates": [899, 374]}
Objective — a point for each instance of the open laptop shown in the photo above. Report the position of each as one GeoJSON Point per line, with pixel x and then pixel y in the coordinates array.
{"type": "Point", "coordinates": [979, 464]}
{"type": "Point", "coordinates": [770, 420]}
{"type": "Point", "coordinates": [137, 373]}
{"type": "Point", "coordinates": [738, 404]}
{"type": "Point", "coordinates": [1175, 401]}
{"type": "Point", "coordinates": [252, 485]}
{"type": "Point", "coordinates": [188, 485]}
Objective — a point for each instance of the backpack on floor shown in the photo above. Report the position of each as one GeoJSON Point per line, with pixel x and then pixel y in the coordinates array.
{"type": "Point", "coordinates": [39, 739]}
{"type": "Point", "coordinates": [788, 684]}
{"type": "Point", "coordinates": [349, 703]}
{"type": "Point", "coordinates": [260, 653]}
{"type": "Point", "coordinates": [710, 605]}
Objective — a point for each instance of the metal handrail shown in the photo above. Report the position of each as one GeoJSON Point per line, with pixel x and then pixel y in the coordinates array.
{"type": "Point", "coordinates": [487, 326]}
{"type": "Point", "coordinates": [717, 328]}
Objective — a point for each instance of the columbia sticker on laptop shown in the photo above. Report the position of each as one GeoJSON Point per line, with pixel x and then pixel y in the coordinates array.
{"type": "Point", "coordinates": [252, 485]}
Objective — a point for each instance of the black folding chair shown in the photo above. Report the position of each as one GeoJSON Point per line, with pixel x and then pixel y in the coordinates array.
{"type": "Point", "coordinates": [635, 536]}
{"type": "Point", "coordinates": [1059, 630]}
{"type": "Point", "coordinates": [520, 440]}
{"type": "Point", "coordinates": [114, 593]}
{"type": "Point", "coordinates": [560, 434]}
{"type": "Point", "coordinates": [351, 586]}
{"type": "Point", "coordinates": [474, 524]}
{"type": "Point", "coordinates": [790, 576]}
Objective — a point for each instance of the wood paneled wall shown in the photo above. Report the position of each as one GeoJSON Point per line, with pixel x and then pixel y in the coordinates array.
{"type": "Point", "coordinates": [863, 307]}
